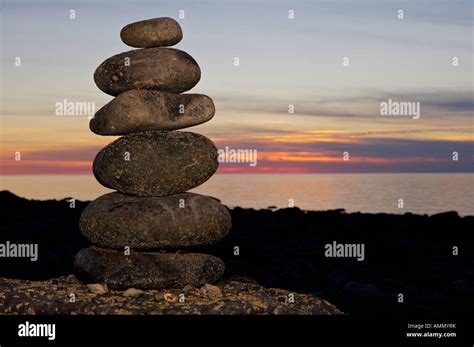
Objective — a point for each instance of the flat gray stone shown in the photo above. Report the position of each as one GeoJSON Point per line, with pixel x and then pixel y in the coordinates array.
{"type": "Point", "coordinates": [146, 270]}
{"type": "Point", "coordinates": [139, 110]}
{"type": "Point", "coordinates": [155, 32]}
{"type": "Point", "coordinates": [156, 163]}
{"type": "Point", "coordinates": [117, 220]}
{"type": "Point", "coordinates": [165, 69]}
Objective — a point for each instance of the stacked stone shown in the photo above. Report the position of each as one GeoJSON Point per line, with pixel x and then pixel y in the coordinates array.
{"type": "Point", "coordinates": [152, 166]}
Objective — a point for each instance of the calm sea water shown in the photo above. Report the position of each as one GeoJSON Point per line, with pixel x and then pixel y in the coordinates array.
{"type": "Point", "coordinates": [421, 193]}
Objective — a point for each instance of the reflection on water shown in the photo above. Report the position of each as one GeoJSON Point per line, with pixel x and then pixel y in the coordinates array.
{"type": "Point", "coordinates": [421, 193]}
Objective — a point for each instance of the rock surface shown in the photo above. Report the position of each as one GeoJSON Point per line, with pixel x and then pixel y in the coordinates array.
{"type": "Point", "coordinates": [155, 163]}
{"type": "Point", "coordinates": [139, 110]}
{"type": "Point", "coordinates": [155, 32]}
{"type": "Point", "coordinates": [165, 69]}
{"type": "Point", "coordinates": [53, 297]}
{"type": "Point", "coordinates": [145, 270]}
{"type": "Point", "coordinates": [117, 220]}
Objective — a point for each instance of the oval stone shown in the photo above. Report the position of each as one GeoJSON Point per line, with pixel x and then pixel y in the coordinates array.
{"type": "Point", "coordinates": [139, 110]}
{"type": "Point", "coordinates": [146, 270]}
{"type": "Point", "coordinates": [117, 220]}
{"type": "Point", "coordinates": [156, 32]}
{"type": "Point", "coordinates": [156, 163]}
{"type": "Point", "coordinates": [165, 69]}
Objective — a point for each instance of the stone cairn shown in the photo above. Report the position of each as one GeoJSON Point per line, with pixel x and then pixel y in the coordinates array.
{"type": "Point", "coordinates": [143, 233]}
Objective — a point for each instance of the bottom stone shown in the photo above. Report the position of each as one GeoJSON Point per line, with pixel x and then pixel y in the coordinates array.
{"type": "Point", "coordinates": [146, 270]}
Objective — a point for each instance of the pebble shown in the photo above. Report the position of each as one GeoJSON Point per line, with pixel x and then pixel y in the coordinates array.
{"type": "Point", "coordinates": [155, 163]}
{"type": "Point", "coordinates": [116, 220]}
{"type": "Point", "coordinates": [140, 110]}
{"type": "Point", "coordinates": [155, 32]}
{"type": "Point", "coordinates": [165, 69]}
{"type": "Point", "coordinates": [97, 288]}
{"type": "Point", "coordinates": [146, 270]}
{"type": "Point", "coordinates": [170, 297]}
{"type": "Point", "coordinates": [133, 292]}
{"type": "Point", "coordinates": [212, 292]}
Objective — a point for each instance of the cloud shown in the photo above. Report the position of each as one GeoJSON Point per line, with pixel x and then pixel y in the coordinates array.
{"type": "Point", "coordinates": [366, 155]}
{"type": "Point", "coordinates": [375, 147]}
{"type": "Point", "coordinates": [280, 155]}
{"type": "Point", "coordinates": [354, 104]}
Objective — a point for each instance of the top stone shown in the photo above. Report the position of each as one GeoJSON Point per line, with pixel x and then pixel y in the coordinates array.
{"type": "Point", "coordinates": [156, 32]}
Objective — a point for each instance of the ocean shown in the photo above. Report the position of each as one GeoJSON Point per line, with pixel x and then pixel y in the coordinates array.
{"type": "Point", "coordinates": [391, 193]}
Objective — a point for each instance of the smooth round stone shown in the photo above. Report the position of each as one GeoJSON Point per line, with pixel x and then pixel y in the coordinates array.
{"type": "Point", "coordinates": [117, 220]}
{"type": "Point", "coordinates": [139, 110]}
{"type": "Point", "coordinates": [156, 163]}
{"type": "Point", "coordinates": [165, 69]}
{"type": "Point", "coordinates": [152, 33]}
{"type": "Point", "coordinates": [146, 270]}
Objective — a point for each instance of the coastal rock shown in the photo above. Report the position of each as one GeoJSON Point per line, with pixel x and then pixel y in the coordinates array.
{"type": "Point", "coordinates": [155, 32]}
{"type": "Point", "coordinates": [165, 69]}
{"type": "Point", "coordinates": [139, 110]}
{"type": "Point", "coordinates": [146, 270]}
{"type": "Point", "coordinates": [22, 297]}
{"type": "Point", "coordinates": [393, 238]}
{"type": "Point", "coordinates": [155, 163]}
{"type": "Point", "coordinates": [117, 220]}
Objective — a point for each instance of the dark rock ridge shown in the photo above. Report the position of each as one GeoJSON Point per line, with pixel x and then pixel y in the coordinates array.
{"type": "Point", "coordinates": [165, 69]}
{"type": "Point", "coordinates": [117, 220]}
{"type": "Point", "coordinates": [237, 298]}
{"type": "Point", "coordinates": [155, 163]}
{"type": "Point", "coordinates": [156, 32]}
{"type": "Point", "coordinates": [139, 110]}
{"type": "Point", "coordinates": [146, 270]}
{"type": "Point", "coordinates": [410, 254]}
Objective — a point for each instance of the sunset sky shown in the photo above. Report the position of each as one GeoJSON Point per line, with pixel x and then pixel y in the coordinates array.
{"type": "Point", "coordinates": [282, 61]}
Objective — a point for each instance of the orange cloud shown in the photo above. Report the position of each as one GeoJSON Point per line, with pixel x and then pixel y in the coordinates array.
{"type": "Point", "coordinates": [279, 152]}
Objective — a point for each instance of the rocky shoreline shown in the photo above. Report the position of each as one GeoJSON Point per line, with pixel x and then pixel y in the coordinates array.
{"type": "Point", "coordinates": [408, 254]}
{"type": "Point", "coordinates": [68, 296]}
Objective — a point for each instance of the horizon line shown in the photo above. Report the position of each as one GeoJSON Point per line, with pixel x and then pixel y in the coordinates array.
{"type": "Point", "coordinates": [277, 173]}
